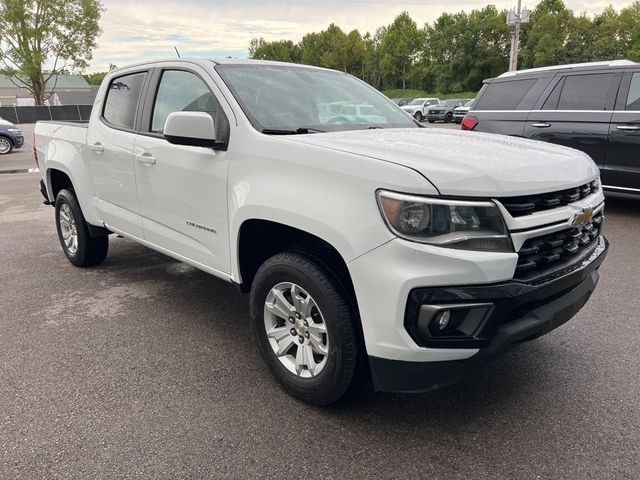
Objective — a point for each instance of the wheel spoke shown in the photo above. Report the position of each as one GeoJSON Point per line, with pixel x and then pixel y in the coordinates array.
{"type": "Point", "coordinates": [283, 304]}
{"type": "Point", "coordinates": [304, 358]}
{"type": "Point", "coordinates": [278, 333]}
{"type": "Point", "coordinates": [284, 345]}
{"type": "Point", "coordinates": [317, 328]}
{"type": "Point", "coordinates": [296, 297]}
{"type": "Point", "coordinates": [317, 345]}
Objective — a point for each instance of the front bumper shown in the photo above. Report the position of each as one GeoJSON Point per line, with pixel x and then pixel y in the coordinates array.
{"type": "Point", "coordinates": [436, 116]}
{"type": "Point", "coordinates": [522, 312]}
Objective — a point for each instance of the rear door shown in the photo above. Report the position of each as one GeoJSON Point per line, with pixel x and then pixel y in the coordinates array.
{"type": "Point", "coordinates": [183, 189]}
{"type": "Point", "coordinates": [504, 103]}
{"type": "Point", "coordinates": [576, 113]}
{"type": "Point", "coordinates": [622, 166]}
{"type": "Point", "coordinates": [109, 155]}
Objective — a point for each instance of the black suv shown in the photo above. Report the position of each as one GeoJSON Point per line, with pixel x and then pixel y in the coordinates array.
{"type": "Point", "coordinates": [594, 107]}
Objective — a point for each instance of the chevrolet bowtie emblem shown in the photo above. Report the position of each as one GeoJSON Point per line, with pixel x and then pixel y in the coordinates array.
{"type": "Point", "coordinates": [584, 217]}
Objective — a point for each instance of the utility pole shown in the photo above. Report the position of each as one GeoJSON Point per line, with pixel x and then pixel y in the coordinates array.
{"type": "Point", "coordinates": [515, 18]}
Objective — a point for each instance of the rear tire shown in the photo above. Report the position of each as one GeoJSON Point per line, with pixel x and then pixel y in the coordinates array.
{"type": "Point", "coordinates": [80, 248]}
{"type": "Point", "coordinates": [306, 328]}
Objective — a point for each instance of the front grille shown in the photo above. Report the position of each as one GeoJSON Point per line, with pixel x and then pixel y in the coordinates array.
{"type": "Point", "coordinates": [555, 251]}
{"type": "Point", "coordinates": [525, 205]}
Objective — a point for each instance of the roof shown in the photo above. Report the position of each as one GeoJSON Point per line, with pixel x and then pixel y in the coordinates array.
{"type": "Point", "coordinates": [205, 62]}
{"type": "Point", "coordinates": [612, 63]}
{"type": "Point", "coordinates": [63, 81]}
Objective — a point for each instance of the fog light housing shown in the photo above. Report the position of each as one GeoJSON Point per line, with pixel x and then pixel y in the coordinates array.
{"type": "Point", "coordinates": [452, 321]}
{"type": "Point", "coordinates": [441, 321]}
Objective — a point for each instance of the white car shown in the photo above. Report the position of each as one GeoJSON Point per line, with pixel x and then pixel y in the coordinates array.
{"type": "Point", "coordinates": [418, 107]}
{"type": "Point", "coordinates": [383, 250]}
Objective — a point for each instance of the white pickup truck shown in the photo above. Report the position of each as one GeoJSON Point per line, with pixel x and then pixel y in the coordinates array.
{"type": "Point", "coordinates": [372, 251]}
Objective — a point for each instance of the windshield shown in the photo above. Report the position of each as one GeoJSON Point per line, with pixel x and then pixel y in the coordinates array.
{"type": "Point", "coordinates": [283, 99]}
{"type": "Point", "coordinates": [468, 104]}
{"type": "Point", "coordinates": [417, 101]}
{"type": "Point", "coordinates": [450, 103]}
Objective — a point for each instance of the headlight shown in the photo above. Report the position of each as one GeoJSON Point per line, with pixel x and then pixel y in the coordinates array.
{"type": "Point", "coordinates": [469, 225]}
{"type": "Point", "coordinates": [15, 131]}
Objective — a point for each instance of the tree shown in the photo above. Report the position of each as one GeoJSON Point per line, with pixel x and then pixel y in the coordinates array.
{"type": "Point", "coordinates": [41, 38]}
{"type": "Point", "coordinates": [400, 46]}
{"type": "Point", "coordinates": [279, 50]}
{"type": "Point", "coordinates": [97, 77]}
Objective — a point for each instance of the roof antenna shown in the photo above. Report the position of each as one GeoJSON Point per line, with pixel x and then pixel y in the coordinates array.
{"type": "Point", "coordinates": [177, 52]}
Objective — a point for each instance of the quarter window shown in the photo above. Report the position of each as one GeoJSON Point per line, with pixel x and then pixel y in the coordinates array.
{"type": "Point", "coordinates": [585, 92]}
{"type": "Point", "coordinates": [504, 95]}
{"type": "Point", "coordinates": [181, 91]}
{"type": "Point", "coordinates": [633, 99]}
{"type": "Point", "coordinates": [122, 99]}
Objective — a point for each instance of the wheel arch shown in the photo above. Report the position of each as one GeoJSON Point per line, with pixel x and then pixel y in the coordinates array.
{"type": "Point", "coordinates": [259, 239]}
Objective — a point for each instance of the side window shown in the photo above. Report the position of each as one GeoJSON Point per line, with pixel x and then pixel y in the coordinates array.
{"type": "Point", "coordinates": [585, 92]}
{"type": "Point", "coordinates": [181, 91]}
{"type": "Point", "coordinates": [121, 103]}
{"type": "Point", "coordinates": [633, 99]}
{"type": "Point", "coordinates": [504, 95]}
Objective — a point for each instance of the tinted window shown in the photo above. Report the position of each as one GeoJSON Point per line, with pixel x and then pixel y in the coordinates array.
{"type": "Point", "coordinates": [181, 91]}
{"type": "Point", "coordinates": [585, 92]}
{"type": "Point", "coordinates": [633, 99]}
{"type": "Point", "coordinates": [504, 95]}
{"type": "Point", "coordinates": [122, 100]}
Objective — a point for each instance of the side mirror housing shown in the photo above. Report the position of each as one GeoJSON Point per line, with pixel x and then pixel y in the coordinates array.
{"type": "Point", "coordinates": [195, 129]}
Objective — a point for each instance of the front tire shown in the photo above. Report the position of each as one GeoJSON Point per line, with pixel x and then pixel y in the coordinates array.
{"type": "Point", "coordinates": [6, 145]}
{"type": "Point", "coordinates": [80, 248]}
{"type": "Point", "coordinates": [305, 328]}
{"type": "Point", "coordinates": [418, 116]}
{"type": "Point", "coordinates": [448, 118]}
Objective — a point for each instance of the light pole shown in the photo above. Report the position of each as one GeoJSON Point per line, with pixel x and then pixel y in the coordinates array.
{"type": "Point", "coordinates": [515, 18]}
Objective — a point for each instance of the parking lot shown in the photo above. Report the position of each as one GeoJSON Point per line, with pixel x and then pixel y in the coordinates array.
{"type": "Point", "coordinates": [146, 367]}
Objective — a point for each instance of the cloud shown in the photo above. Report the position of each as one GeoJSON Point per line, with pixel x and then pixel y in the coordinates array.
{"type": "Point", "coordinates": [133, 31]}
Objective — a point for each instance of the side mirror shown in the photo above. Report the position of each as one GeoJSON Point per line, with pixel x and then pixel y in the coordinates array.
{"type": "Point", "coordinates": [195, 129]}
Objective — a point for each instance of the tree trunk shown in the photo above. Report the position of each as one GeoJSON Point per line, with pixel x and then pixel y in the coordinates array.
{"type": "Point", "coordinates": [404, 77]}
{"type": "Point", "coordinates": [37, 82]}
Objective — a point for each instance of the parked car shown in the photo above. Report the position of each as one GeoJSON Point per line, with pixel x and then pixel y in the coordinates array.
{"type": "Point", "coordinates": [367, 250]}
{"type": "Point", "coordinates": [443, 111]}
{"type": "Point", "coordinates": [460, 112]}
{"type": "Point", "coordinates": [418, 107]}
{"type": "Point", "coordinates": [594, 107]}
{"type": "Point", "coordinates": [401, 102]}
{"type": "Point", "coordinates": [10, 137]}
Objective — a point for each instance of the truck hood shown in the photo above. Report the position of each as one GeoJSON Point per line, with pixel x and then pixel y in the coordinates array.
{"type": "Point", "coordinates": [467, 163]}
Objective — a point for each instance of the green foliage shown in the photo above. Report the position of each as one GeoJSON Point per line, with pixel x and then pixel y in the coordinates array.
{"type": "Point", "coordinates": [456, 52]}
{"type": "Point", "coordinates": [57, 33]}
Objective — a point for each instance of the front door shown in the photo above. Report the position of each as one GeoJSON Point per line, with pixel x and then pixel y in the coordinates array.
{"type": "Point", "coordinates": [183, 190]}
{"type": "Point", "coordinates": [622, 167]}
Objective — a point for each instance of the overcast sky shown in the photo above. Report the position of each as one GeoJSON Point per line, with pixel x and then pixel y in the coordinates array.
{"type": "Point", "coordinates": [218, 28]}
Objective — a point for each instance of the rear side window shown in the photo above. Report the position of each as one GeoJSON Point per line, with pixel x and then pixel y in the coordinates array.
{"type": "Point", "coordinates": [122, 99]}
{"type": "Point", "coordinates": [504, 95]}
{"type": "Point", "coordinates": [633, 99]}
{"type": "Point", "coordinates": [585, 92]}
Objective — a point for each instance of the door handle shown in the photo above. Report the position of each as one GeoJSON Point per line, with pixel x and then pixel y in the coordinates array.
{"type": "Point", "coordinates": [628, 127]}
{"type": "Point", "coordinates": [146, 158]}
{"type": "Point", "coordinates": [97, 147]}
{"type": "Point", "coordinates": [541, 125]}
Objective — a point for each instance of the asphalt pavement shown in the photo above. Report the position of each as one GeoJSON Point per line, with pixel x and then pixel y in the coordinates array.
{"type": "Point", "coordinates": [145, 367]}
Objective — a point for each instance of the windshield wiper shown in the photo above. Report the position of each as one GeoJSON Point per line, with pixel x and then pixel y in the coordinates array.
{"type": "Point", "coordinates": [297, 131]}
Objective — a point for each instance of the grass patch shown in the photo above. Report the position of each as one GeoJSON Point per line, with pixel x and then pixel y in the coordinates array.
{"type": "Point", "coordinates": [422, 94]}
